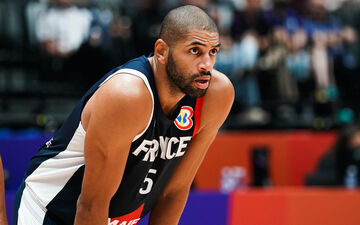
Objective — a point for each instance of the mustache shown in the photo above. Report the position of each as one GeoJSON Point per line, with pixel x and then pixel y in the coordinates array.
{"type": "Point", "coordinates": [205, 73]}
{"type": "Point", "coordinates": [201, 74]}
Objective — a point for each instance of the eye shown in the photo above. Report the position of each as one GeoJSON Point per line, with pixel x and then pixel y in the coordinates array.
{"type": "Point", "coordinates": [213, 52]}
{"type": "Point", "coordinates": [194, 51]}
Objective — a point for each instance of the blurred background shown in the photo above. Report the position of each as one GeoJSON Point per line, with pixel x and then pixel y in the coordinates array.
{"type": "Point", "coordinates": [289, 152]}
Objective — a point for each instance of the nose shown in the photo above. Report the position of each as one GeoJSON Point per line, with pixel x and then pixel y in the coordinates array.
{"type": "Point", "coordinates": [206, 63]}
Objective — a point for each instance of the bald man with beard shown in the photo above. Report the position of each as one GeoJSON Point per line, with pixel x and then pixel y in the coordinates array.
{"type": "Point", "coordinates": [135, 141]}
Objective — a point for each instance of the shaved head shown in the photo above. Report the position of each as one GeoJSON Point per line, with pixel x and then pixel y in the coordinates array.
{"type": "Point", "coordinates": [178, 22]}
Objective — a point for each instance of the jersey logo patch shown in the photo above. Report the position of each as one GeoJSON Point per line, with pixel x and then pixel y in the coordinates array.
{"type": "Point", "coordinates": [184, 120]}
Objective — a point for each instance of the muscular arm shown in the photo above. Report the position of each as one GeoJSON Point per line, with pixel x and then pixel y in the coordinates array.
{"type": "Point", "coordinates": [171, 203]}
{"type": "Point", "coordinates": [3, 219]}
{"type": "Point", "coordinates": [113, 116]}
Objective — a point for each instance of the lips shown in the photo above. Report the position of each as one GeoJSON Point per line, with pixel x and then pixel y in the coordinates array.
{"type": "Point", "coordinates": [202, 82]}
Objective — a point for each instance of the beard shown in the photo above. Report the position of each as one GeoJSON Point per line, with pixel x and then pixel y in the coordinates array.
{"type": "Point", "coordinates": [182, 82]}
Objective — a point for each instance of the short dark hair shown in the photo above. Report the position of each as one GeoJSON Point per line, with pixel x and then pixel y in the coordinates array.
{"type": "Point", "coordinates": [180, 20]}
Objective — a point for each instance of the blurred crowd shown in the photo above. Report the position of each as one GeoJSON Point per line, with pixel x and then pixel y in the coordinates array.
{"type": "Point", "coordinates": [293, 63]}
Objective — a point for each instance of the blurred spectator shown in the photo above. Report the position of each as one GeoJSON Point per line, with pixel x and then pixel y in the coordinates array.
{"type": "Point", "coordinates": [347, 67]}
{"type": "Point", "coordinates": [328, 39]}
{"type": "Point", "coordinates": [341, 162]}
{"type": "Point", "coordinates": [122, 47]}
{"type": "Point", "coordinates": [146, 26]}
{"type": "Point", "coordinates": [71, 37]}
{"type": "Point", "coordinates": [287, 62]}
{"type": "Point", "coordinates": [63, 28]}
{"type": "Point", "coordinates": [250, 21]}
{"type": "Point", "coordinates": [238, 59]}
{"type": "Point", "coordinates": [324, 32]}
{"type": "Point", "coordinates": [116, 26]}
{"type": "Point", "coordinates": [33, 10]}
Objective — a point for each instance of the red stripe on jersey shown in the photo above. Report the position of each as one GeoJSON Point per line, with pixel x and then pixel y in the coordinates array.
{"type": "Point", "coordinates": [198, 107]}
{"type": "Point", "coordinates": [131, 218]}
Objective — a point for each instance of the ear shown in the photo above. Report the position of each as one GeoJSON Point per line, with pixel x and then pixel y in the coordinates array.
{"type": "Point", "coordinates": [161, 51]}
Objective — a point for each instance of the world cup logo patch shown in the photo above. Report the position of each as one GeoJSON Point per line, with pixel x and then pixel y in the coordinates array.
{"type": "Point", "coordinates": [183, 121]}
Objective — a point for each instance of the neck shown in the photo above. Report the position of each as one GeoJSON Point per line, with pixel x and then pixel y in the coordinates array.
{"type": "Point", "coordinates": [168, 97]}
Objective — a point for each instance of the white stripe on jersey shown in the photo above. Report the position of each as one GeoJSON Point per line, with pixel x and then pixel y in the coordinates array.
{"type": "Point", "coordinates": [30, 212]}
{"type": "Point", "coordinates": [51, 176]}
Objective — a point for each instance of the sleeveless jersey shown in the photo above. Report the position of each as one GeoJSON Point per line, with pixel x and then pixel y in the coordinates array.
{"type": "Point", "coordinates": [52, 183]}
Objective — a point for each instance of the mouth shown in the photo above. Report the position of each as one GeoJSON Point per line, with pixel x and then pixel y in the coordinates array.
{"type": "Point", "coordinates": [202, 82]}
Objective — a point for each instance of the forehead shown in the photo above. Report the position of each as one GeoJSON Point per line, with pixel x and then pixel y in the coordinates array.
{"type": "Point", "coordinates": [208, 38]}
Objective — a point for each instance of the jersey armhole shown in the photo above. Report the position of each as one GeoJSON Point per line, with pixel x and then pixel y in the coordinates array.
{"type": "Point", "coordinates": [197, 115]}
{"type": "Point", "coordinates": [147, 84]}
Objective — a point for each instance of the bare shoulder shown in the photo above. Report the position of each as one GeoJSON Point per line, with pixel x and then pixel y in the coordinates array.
{"type": "Point", "coordinates": [220, 83]}
{"type": "Point", "coordinates": [126, 88]}
{"type": "Point", "coordinates": [220, 92]}
{"type": "Point", "coordinates": [123, 95]}
{"type": "Point", "coordinates": [218, 100]}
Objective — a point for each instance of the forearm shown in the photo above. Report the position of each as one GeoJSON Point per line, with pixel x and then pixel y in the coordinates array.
{"type": "Point", "coordinates": [3, 219]}
{"type": "Point", "coordinates": [168, 210]}
{"type": "Point", "coordinates": [91, 213]}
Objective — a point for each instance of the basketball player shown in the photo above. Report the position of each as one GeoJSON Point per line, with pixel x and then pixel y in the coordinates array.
{"type": "Point", "coordinates": [3, 218]}
{"type": "Point", "coordinates": [136, 139]}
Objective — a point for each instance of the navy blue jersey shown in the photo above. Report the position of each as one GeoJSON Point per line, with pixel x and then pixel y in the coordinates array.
{"type": "Point", "coordinates": [52, 183]}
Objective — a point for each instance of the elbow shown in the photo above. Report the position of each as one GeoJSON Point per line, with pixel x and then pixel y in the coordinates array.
{"type": "Point", "coordinates": [178, 192]}
{"type": "Point", "coordinates": [83, 207]}
{"type": "Point", "coordinates": [89, 206]}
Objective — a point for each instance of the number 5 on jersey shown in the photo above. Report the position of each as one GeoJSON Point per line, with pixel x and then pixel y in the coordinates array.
{"type": "Point", "coordinates": [149, 183]}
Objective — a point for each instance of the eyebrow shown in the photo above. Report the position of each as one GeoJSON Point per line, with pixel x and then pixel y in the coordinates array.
{"type": "Point", "coordinates": [202, 44]}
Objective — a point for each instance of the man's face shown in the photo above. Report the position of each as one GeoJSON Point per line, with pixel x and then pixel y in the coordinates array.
{"type": "Point", "coordinates": [191, 61]}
